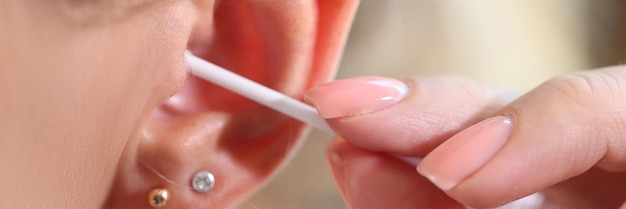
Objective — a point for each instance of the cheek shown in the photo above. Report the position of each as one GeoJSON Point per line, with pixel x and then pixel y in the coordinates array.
{"type": "Point", "coordinates": [72, 113]}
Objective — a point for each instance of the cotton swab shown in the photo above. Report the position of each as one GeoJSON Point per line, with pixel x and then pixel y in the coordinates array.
{"type": "Point", "coordinates": [256, 92]}
{"type": "Point", "coordinates": [263, 95]}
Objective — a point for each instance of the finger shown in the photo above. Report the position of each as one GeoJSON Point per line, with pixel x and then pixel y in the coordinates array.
{"type": "Point", "coordinates": [557, 131]}
{"type": "Point", "coordinates": [370, 180]}
{"type": "Point", "coordinates": [417, 114]}
{"type": "Point", "coordinates": [596, 188]}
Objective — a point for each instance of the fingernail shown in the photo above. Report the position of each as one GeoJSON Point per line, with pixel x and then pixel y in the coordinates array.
{"type": "Point", "coordinates": [337, 164]}
{"type": "Point", "coordinates": [466, 152]}
{"type": "Point", "coordinates": [356, 96]}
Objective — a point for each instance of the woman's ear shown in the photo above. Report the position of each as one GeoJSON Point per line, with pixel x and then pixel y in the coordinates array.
{"type": "Point", "coordinates": [285, 45]}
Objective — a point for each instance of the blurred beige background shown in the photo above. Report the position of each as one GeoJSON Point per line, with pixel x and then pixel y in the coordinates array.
{"type": "Point", "coordinates": [516, 44]}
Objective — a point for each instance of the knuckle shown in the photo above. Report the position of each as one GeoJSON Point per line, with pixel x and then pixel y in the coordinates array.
{"type": "Point", "coordinates": [572, 87]}
{"type": "Point", "coordinates": [600, 94]}
{"type": "Point", "coordinates": [591, 90]}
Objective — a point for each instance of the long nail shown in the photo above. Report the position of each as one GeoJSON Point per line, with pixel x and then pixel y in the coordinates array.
{"type": "Point", "coordinates": [465, 153]}
{"type": "Point", "coordinates": [356, 96]}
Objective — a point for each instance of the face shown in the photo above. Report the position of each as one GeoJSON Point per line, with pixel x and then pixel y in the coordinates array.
{"type": "Point", "coordinates": [97, 106]}
{"type": "Point", "coordinates": [76, 91]}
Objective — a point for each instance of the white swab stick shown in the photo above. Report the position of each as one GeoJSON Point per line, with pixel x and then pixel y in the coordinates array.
{"type": "Point", "coordinates": [256, 92]}
{"type": "Point", "coordinates": [265, 96]}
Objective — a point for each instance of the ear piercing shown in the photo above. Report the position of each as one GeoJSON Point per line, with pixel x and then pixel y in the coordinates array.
{"type": "Point", "coordinates": [203, 181]}
{"type": "Point", "coordinates": [158, 197]}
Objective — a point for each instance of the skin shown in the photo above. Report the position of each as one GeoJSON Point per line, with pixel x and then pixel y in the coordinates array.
{"type": "Point", "coordinates": [98, 105]}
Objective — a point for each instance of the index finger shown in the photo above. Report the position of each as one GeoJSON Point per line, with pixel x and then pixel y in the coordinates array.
{"type": "Point", "coordinates": [407, 117]}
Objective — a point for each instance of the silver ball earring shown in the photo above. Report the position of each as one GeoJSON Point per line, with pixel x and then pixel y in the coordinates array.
{"type": "Point", "coordinates": [203, 181]}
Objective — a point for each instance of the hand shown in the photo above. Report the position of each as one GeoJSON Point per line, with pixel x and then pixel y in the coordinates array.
{"type": "Point", "coordinates": [565, 139]}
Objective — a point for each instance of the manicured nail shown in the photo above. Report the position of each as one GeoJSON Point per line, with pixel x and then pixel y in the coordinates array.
{"type": "Point", "coordinates": [337, 164]}
{"type": "Point", "coordinates": [356, 96]}
{"type": "Point", "coordinates": [466, 152]}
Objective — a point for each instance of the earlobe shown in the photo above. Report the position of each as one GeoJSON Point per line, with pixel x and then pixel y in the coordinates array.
{"type": "Point", "coordinates": [283, 45]}
{"type": "Point", "coordinates": [168, 157]}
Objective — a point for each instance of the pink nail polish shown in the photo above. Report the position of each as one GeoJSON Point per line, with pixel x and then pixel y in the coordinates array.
{"type": "Point", "coordinates": [356, 96]}
{"type": "Point", "coordinates": [465, 153]}
{"type": "Point", "coordinates": [335, 154]}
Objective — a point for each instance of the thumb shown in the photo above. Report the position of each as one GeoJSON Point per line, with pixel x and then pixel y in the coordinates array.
{"type": "Point", "coordinates": [558, 131]}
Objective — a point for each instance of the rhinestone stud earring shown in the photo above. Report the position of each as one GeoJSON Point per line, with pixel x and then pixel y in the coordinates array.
{"type": "Point", "coordinates": [203, 181]}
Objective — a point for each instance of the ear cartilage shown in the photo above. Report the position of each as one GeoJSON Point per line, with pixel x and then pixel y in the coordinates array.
{"type": "Point", "coordinates": [263, 95]}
